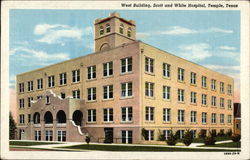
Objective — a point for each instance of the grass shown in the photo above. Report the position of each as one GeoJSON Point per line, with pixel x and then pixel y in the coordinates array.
{"type": "Point", "coordinates": [228, 145]}
{"type": "Point", "coordinates": [26, 143]}
{"type": "Point", "coordinates": [140, 148]}
{"type": "Point", "coordinates": [200, 140]}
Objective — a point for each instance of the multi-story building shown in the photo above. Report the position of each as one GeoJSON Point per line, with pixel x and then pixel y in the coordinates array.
{"type": "Point", "coordinates": [124, 86]}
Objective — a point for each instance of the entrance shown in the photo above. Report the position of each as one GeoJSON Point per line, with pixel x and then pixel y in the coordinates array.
{"type": "Point", "coordinates": [108, 135]}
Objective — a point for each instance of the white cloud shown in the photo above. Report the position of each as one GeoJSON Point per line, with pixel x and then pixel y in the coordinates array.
{"type": "Point", "coordinates": [30, 57]}
{"type": "Point", "coordinates": [52, 34]}
{"type": "Point", "coordinates": [227, 48]}
{"type": "Point", "coordinates": [214, 29]}
{"type": "Point", "coordinates": [220, 67]}
{"type": "Point", "coordinates": [197, 51]}
{"type": "Point", "coordinates": [142, 35]}
{"type": "Point", "coordinates": [176, 30]}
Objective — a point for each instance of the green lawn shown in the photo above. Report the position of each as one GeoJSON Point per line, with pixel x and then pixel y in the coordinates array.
{"type": "Point", "coordinates": [229, 145]}
{"type": "Point", "coordinates": [139, 148]}
{"type": "Point", "coordinates": [26, 143]}
{"type": "Point", "coordinates": [200, 140]}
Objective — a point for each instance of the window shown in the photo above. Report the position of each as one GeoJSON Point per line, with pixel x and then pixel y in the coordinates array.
{"type": "Point", "coordinates": [193, 78]}
{"type": "Point", "coordinates": [76, 75]}
{"type": "Point", "coordinates": [29, 117]}
{"type": "Point", "coordinates": [108, 28]}
{"type": "Point", "coordinates": [213, 118]}
{"type": "Point", "coordinates": [108, 69]}
{"type": "Point", "coordinates": [193, 98]}
{"type": "Point", "coordinates": [229, 89]}
{"type": "Point", "coordinates": [213, 84]}
{"type": "Point", "coordinates": [221, 87]}
{"type": "Point", "coordinates": [39, 97]}
{"type": "Point", "coordinates": [181, 95]}
{"type": "Point", "coordinates": [92, 72]}
{"type": "Point", "coordinates": [40, 83]}
{"type": "Point", "coordinates": [127, 114]}
{"type": "Point", "coordinates": [181, 115]}
{"type": "Point", "coordinates": [126, 65]}
{"type": "Point", "coordinates": [108, 92]}
{"type": "Point", "coordinates": [213, 102]}
{"type": "Point", "coordinates": [166, 92]}
{"type": "Point", "coordinates": [166, 133]}
{"type": "Point", "coordinates": [108, 114]}
{"type": "Point", "coordinates": [150, 136]}
{"type": "Point", "coordinates": [21, 103]}
{"type": "Point", "coordinates": [21, 87]}
{"type": "Point", "coordinates": [63, 95]}
{"type": "Point", "coordinates": [38, 135]}
{"type": "Point", "coordinates": [149, 65]}
{"type": "Point", "coordinates": [180, 74]}
{"type": "Point", "coordinates": [229, 119]}
{"type": "Point", "coordinates": [149, 89]}
{"type": "Point", "coordinates": [61, 136]}
{"type": "Point", "coordinates": [166, 70]}
{"type": "Point", "coordinates": [194, 132]}
{"type": "Point", "coordinates": [49, 135]}
{"type": "Point", "coordinates": [166, 114]}
{"type": "Point", "coordinates": [91, 94]}
{"type": "Point", "coordinates": [121, 28]}
{"type": "Point", "coordinates": [63, 79]}
{"type": "Point", "coordinates": [21, 118]}
{"type": "Point", "coordinates": [92, 115]}
{"type": "Point", "coordinates": [221, 102]}
{"type": "Point", "coordinates": [204, 117]}
{"type": "Point", "coordinates": [229, 104]}
{"type": "Point", "coordinates": [181, 133]}
{"type": "Point", "coordinates": [51, 81]}
{"type": "Point", "coordinates": [204, 81]}
{"type": "Point", "coordinates": [29, 101]}
{"type": "Point", "coordinates": [222, 118]}
{"type": "Point", "coordinates": [127, 136]}
{"type": "Point", "coordinates": [76, 94]}
{"type": "Point", "coordinates": [47, 100]}
{"type": "Point", "coordinates": [129, 32]}
{"type": "Point", "coordinates": [204, 99]}
{"type": "Point", "coordinates": [126, 89]}
{"type": "Point", "coordinates": [30, 86]}
{"type": "Point", "coordinates": [149, 114]}
{"type": "Point", "coordinates": [193, 117]}
{"type": "Point", "coordinates": [101, 30]}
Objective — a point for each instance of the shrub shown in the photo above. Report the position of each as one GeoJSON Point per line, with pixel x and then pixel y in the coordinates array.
{"type": "Point", "coordinates": [87, 139]}
{"type": "Point", "coordinates": [202, 133]}
{"type": "Point", "coordinates": [221, 133]}
{"type": "Point", "coordinates": [188, 138]}
{"type": "Point", "coordinates": [161, 136]}
{"type": "Point", "coordinates": [213, 133]}
{"type": "Point", "coordinates": [210, 140]}
{"type": "Point", "coordinates": [229, 133]}
{"type": "Point", "coordinates": [144, 133]}
{"type": "Point", "coordinates": [236, 138]}
{"type": "Point", "coordinates": [172, 140]}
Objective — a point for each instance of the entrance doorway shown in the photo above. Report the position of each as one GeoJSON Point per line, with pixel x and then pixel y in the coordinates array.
{"type": "Point", "coordinates": [108, 135]}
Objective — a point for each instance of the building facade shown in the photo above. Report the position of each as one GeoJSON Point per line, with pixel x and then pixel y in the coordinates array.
{"type": "Point", "coordinates": [237, 118]}
{"type": "Point", "coordinates": [123, 87]}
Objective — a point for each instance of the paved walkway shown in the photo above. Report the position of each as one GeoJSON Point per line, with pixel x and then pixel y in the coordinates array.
{"type": "Point", "coordinates": [64, 144]}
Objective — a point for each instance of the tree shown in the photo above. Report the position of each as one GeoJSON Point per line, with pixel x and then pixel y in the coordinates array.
{"type": "Point", "coordinates": [12, 127]}
{"type": "Point", "coordinates": [188, 138]}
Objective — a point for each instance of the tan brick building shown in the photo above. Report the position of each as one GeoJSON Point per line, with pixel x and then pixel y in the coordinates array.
{"type": "Point", "coordinates": [126, 85]}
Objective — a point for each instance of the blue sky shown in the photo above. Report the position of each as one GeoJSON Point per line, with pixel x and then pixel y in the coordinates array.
{"type": "Point", "coordinates": [42, 37]}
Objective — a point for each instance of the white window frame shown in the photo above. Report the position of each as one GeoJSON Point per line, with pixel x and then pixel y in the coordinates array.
{"type": "Point", "coordinates": [91, 72]}
{"type": "Point", "coordinates": [204, 99]}
{"type": "Point", "coordinates": [76, 76]}
{"type": "Point", "coordinates": [149, 65]}
{"type": "Point", "coordinates": [40, 83]}
{"type": "Point", "coordinates": [181, 94]}
{"type": "Point", "coordinates": [222, 118]}
{"type": "Point", "coordinates": [48, 135]}
{"type": "Point", "coordinates": [91, 92]}
{"type": "Point", "coordinates": [62, 134]}
{"type": "Point", "coordinates": [37, 135]}
{"type": "Point", "coordinates": [181, 116]}
{"type": "Point", "coordinates": [21, 87]}
{"type": "Point", "coordinates": [193, 116]}
{"type": "Point", "coordinates": [229, 119]}
{"type": "Point", "coordinates": [229, 89]}
{"type": "Point", "coordinates": [222, 101]}
{"type": "Point", "coordinates": [51, 81]}
{"type": "Point", "coordinates": [108, 29]}
{"type": "Point", "coordinates": [63, 78]}
{"type": "Point", "coordinates": [21, 119]}
{"type": "Point", "coordinates": [193, 98]}
{"type": "Point", "coordinates": [128, 116]}
{"type": "Point", "coordinates": [213, 84]}
{"type": "Point", "coordinates": [149, 113]}
{"type": "Point", "coordinates": [166, 70]}
{"type": "Point", "coordinates": [213, 119]}
{"type": "Point", "coordinates": [127, 92]}
{"type": "Point", "coordinates": [101, 30]}
{"type": "Point", "coordinates": [108, 69]}
{"type": "Point", "coordinates": [222, 87]}
{"type": "Point", "coordinates": [76, 94]}
{"type": "Point", "coordinates": [167, 114]}
{"type": "Point", "coordinates": [193, 78]}
{"type": "Point", "coordinates": [127, 70]}
{"type": "Point", "coordinates": [150, 135]}
{"type": "Point", "coordinates": [229, 104]}
{"type": "Point", "coordinates": [127, 135]}
{"type": "Point", "coordinates": [108, 91]}
{"type": "Point", "coordinates": [30, 85]}
{"type": "Point", "coordinates": [29, 101]}
{"type": "Point", "coordinates": [204, 117]}
{"type": "Point", "coordinates": [213, 102]}
{"type": "Point", "coordinates": [109, 115]}
{"type": "Point", "coordinates": [166, 92]}
{"type": "Point", "coordinates": [21, 103]}
{"type": "Point", "coordinates": [204, 82]}
{"type": "Point", "coordinates": [181, 73]}
{"type": "Point", "coordinates": [92, 115]}
{"type": "Point", "coordinates": [167, 133]}
{"type": "Point", "coordinates": [149, 89]}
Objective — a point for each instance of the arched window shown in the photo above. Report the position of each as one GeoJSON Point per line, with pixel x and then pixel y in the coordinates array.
{"type": "Point", "coordinates": [77, 117]}
{"type": "Point", "coordinates": [129, 32]}
{"type": "Point", "coordinates": [121, 28]}
{"type": "Point", "coordinates": [36, 118]}
{"type": "Point", "coordinates": [61, 117]}
{"type": "Point", "coordinates": [108, 28]}
{"type": "Point", "coordinates": [48, 118]}
{"type": "Point", "coordinates": [101, 30]}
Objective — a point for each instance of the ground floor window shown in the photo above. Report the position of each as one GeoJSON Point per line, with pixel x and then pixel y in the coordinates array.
{"type": "Point", "coordinates": [167, 134]}
{"type": "Point", "coordinates": [194, 133]}
{"type": "Point", "coordinates": [38, 135]}
{"type": "Point", "coordinates": [180, 133]}
{"type": "Point", "coordinates": [49, 135]}
{"type": "Point", "coordinates": [150, 136]}
{"type": "Point", "coordinates": [61, 136]}
{"type": "Point", "coordinates": [127, 136]}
